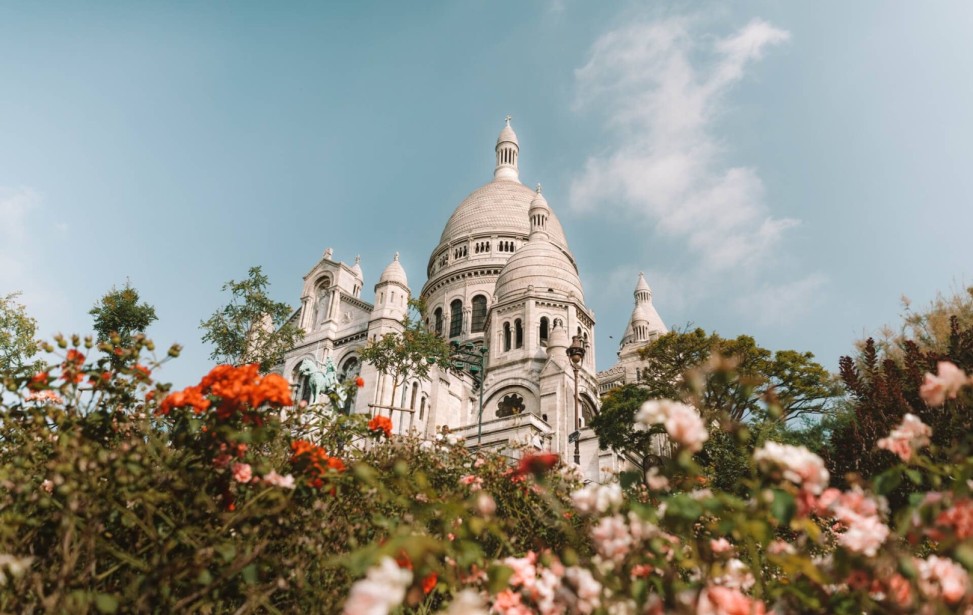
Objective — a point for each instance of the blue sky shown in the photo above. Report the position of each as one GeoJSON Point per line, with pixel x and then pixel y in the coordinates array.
{"type": "Point", "coordinates": [787, 170]}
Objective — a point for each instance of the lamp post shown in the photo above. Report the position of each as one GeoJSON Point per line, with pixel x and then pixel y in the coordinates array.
{"type": "Point", "coordinates": [471, 357]}
{"type": "Point", "coordinates": [576, 354]}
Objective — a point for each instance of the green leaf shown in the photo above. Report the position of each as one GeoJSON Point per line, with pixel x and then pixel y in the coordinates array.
{"type": "Point", "coordinates": [250, 574]}
{"type": "Point", "coordinates": [499, 577]}
{"type": "Point", "coordinates": [629, 479]}
{"type": "Point", "coordinates": [106, 603]}
{"type": "Point", "coordinates": [783, 507]}
{"type": "Point", "coordinates": [888, 481]}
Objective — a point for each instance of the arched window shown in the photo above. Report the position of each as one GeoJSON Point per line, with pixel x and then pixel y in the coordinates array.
{"type": "Point", "coordinates": [519, 333]}
{"type": "Point", "coordinates": [349, 368]}
{"type": "Point", "coordinates": [544, 331]}
{"type": "Point", "coordinates": [455, 318]}
{"type": "Point", "coordinates": [479, 314]}
{"type": "Point", "coordinates": [415, 394]}
{"type": "Point", "coordinates": [439, 321]}
{"type": "Point", "coordinates": [506, 336]}
{"type": "Point", "coordinates": [422, 408]}
{"type": "Point", "coordinates": [510, 405]}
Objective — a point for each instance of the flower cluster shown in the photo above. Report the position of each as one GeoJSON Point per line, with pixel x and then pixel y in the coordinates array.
{"type": "Point", "coordinates": [793, 463]}
{"type": "Point", "coordinates": [382, 589]}
{"type": "Point", "coordinates": [234, 390]}
{"type": "Point", "coordinates": [312, 460]}
{"type": "Point", "coordinates": [381, 425]}
{"type": "Point", "coordinates": [681, 422]}
{"type": "Point", "coordinates": [911, 435]}
{"type": "Point", "coordinates": [947, 382]}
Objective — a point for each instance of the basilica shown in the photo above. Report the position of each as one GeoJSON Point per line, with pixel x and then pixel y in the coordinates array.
{"type": "Point", "coordinates": [503, 285]}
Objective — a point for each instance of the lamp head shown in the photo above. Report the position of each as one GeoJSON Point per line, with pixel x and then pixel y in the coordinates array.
{"type": "Point", "coordinates": [576, 350]}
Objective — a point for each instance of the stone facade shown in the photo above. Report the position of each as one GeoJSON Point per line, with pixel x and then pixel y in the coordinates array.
{"type": "Point", "coordinates": [502, 277]}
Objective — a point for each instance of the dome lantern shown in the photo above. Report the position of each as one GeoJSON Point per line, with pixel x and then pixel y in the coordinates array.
{"type": "Point", "coordinates": [508, 150]}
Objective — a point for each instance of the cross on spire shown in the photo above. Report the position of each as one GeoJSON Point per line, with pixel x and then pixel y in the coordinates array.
{"type": "Point", "coordinates": [508, 118]}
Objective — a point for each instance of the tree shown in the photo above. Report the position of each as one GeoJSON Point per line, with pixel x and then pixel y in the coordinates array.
{"type": "Point", "coordinates": [410, 353]}
{"type": "Point", "coordinates": [252, 327]}
{"type": "Point", "coordinates": [119, 317]}
{"type": "Point", "coordinates": [884, 385]}
{"type": "Point", "coordinates": [17, 331]}
{"type": "Point", "coordinates": [757, 393]}
{"type": "Point", "coordinates": [736, 376]}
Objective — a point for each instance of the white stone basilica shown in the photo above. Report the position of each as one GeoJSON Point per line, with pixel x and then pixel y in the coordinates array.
{"type": "Point", "coordinates": [502, 277]}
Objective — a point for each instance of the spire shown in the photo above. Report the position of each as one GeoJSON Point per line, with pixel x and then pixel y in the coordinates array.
{"type": "Point", "coordinates": [645, 323]}
{"type": "Point", "coordinates": [539, 213]}
{"type": "Point", "coordinates": [508, 150]}
{"type": "Point", "coordinates": [643, 294]}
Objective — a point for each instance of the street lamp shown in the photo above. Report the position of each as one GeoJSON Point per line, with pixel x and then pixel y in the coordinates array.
{"type": "Point", "coordinates": [576, 354]}
{"type": "Point", "coordinates": [471, 357]}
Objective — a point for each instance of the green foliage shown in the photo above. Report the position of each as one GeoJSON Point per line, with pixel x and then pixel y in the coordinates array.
{"type": "Point", "coordinates": [775, 393]}
{"type": "Point", "coordinates": [409, 353]}
{"type": "Point", "coordinates": [118, 317]}
{"type": "Point", "coordinates": [252, 327]}
{"type": "Point", "coordinates": [749, 382]}
{"type": "Point", "coordinates": [18, 332]}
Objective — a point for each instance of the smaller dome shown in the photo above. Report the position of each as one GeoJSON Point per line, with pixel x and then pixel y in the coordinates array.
{"type": "Point", "coordinates": [507, 135]}
{"type": "Point", "coordinates": [394, 273]}
{"type": "Point", "coordinates": [541, 265]}
{"type": "Point", "coordinates": [356, 268]}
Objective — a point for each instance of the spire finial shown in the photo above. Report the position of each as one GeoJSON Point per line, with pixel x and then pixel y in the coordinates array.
{"type": "Point", "coordinates": [507, 119]}
{"type": "Point", "coordinates": [396, 257]}
{"type": "Point", "coordinates": [538, 187]}
{"type": "Point", "coordinates": [358, 259]}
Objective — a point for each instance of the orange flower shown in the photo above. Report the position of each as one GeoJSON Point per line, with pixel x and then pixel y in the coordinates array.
{"type": "Point", "coordinates": [38, 381]}
{"type": "Point", "coordinates": [142, 371]}
{"type": "Point", "coordinates": [429, 583]}
{"type": "Point", "coordinates": [239, 389]}
{"type": "Point", "coordinates": [314, 461]}
{"type": "Point", "coordinates": [536, 464]}
{"type": "Point", "coordinates": [359, 382]}
{"type": "Point", "coordinates": [75, 357]}
{"type": "Point", "coordinates": [381, 424]}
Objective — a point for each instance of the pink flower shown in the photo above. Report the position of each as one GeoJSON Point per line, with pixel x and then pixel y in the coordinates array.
{"type": "Point", "coordinates": [508, 603]}
{"type": "Point", "coordinates": [911, 435]}
{"type": "Point", "coordinates": [941, 576]}
{"type": "Point", "coordinates": [275, 479]}
{"type": "Point", "coordinates": [382, 589]}
{"type": "Point", "coordinates": [795, 464]}
{"type": "Point", "coordinates": [612, 538]}
{"type": "Point", "coordinates": [720, 545]}
{"type": "Point", "coordinates": [472, 481]}
{"type": "Point", "coordinates": [681, 422]}
{"type": "Point", "coordinates": [727, 601]}
{"type": "Point", "coordinates": [946, 384]}
{"type": "Point", "coordinates": [485, 504]}
{"type": "Point", "coordinates": [864, 536]}
{"type": "Point", "coordinates": [242, 473]}
{"type": "Point", "coordinates": [47, 485]}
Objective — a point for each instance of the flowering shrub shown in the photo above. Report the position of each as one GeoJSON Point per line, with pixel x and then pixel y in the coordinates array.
{"type": "Point", "coordinates": [120, 495]}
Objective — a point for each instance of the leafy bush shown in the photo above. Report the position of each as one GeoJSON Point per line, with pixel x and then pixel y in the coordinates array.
{"type": "Point", "coordinates": [121, 495]}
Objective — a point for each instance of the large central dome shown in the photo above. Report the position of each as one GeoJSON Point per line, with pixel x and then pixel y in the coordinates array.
{"type": "Point", "coordinates": [498, 208]}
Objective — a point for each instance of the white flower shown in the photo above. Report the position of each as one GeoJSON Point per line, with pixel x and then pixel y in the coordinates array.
{"type": "Point", "coordinates": [285, 482]}
{"type": "Point", "coordinates": [382, 589]}
{"type": "Point", "coordinates": [586, 588]}
{"type": "Point", "coordinates": [597, 498]}
{"type": "Point", "coordinates": [797, 464]}
{"type": "Point", "coordinates": [467, 602]}
{"type": "Point", "coordinates": [681, 422]}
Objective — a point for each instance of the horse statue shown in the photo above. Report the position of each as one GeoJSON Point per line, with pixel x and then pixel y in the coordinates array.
{"type": "Point", "coordinates": [321, 380]}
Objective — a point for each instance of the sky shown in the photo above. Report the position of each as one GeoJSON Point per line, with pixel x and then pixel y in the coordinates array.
{"type": "Point", "coordinates": [783, 170]}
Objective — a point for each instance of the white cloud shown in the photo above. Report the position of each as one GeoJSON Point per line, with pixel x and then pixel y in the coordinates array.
{"type": "Point", "coordinates": [660, 86]}
{"type": "Point", "coordinates": [783, 304]}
